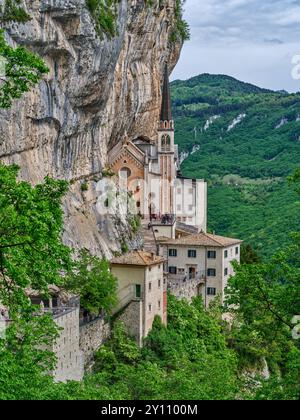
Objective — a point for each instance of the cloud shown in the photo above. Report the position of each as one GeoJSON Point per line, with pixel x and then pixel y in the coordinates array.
{"type": "Point", "coordinates": [253, 40]}
{"type": "Point", "coordinates": [240, 21]}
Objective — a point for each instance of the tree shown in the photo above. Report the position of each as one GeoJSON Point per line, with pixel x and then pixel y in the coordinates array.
{"type": "Point", "coordinates": [264, 298]}
{"type": "Point", "coordinates": [187, 359]}
{"type": "Point", "coordinates": [32, 254]}
{"type": "Point", "coordinates": [23, 70]}
{"type": "Point", "coordinates": [95, 284]}
{"type": "Point", "coordinates": [25, 356]}
{"type": "Point", "coordinates": [12, 11]}
{"type": "Point", "coordinates": [249, 255]}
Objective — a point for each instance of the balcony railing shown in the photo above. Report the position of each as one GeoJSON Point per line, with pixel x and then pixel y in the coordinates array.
{"type": "Point", "coordinates": [165, 219]}
{"type": "Point", "coordinates": [176, 281]}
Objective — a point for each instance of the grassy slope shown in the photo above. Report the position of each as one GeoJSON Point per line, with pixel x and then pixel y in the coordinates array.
{"type": "Point", "coordinates": [247, 166]}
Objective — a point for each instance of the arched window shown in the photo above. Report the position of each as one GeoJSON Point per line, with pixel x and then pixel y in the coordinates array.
{"type": "Point", "coordinates": [166, 143]}
{"type": "Point", "coordinates": [125, 173]}
{"type": "Point", "coordinates": [163, 143]}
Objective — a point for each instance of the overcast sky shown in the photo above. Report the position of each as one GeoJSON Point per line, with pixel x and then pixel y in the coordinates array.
{"type": "Point", "coordinates": [252, 40]}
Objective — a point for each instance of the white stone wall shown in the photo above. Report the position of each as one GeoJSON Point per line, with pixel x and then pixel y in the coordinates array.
{"type": "Point", "coordinates": [128, 277]}
{"type": "Point", "coordinates": [227, 262]}
{"type": "Point", "coordinates": [202, 264]}
{"type": "Point", "coordinates": [70, 361]}
{"type": "Point", "coordinates": [153, 297]}
{"type": "Point", "coordinates": [92, 336]}
{"type": "Point", "coordinates": [132, 316]}
{"type": "Point", "coordinates": [191, 202]}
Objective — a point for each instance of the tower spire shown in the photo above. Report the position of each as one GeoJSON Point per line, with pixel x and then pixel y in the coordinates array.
{"type": "Point", "coordinates": [166, 109]}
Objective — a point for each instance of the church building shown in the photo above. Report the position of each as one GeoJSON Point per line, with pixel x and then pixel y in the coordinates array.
{"type": "Point", "coordinates": [149, 170]}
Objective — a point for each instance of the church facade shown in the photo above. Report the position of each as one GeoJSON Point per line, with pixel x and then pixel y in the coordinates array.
{"type": "Point", "coordinates": [149, 170]}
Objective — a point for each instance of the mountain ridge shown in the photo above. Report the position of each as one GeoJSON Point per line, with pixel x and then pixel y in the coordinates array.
{"type": "Point", "coordinates": [247, 142]}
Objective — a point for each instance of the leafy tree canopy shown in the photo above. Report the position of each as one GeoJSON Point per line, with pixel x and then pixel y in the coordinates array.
{"type": "Point", "coordinates": [95, 284]}
{"type": "Point", "coordinates": [32, 254]}
{"type": "Point", "coordinates": [22, 70]}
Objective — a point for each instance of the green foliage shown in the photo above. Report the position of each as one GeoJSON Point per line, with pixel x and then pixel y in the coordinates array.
{"type": "Point", "coordinates": [23, 70]}
{"type": "Point", "coordinates": [187, 359]}
{"type": "Point", "coordinates": [286, 387]}
{"type": "Point", "coordinates": [31, 251]}
{"type": "Point", "coordinates": [32, 255]}
{"type": "Point", "coordinates": [107, 173]}
{"type": "Point", "coordinates": [247, 166]}
{"type": "Point", "coordinates": [25, 357]}
{"type": "Point", "coordinates": [120, 349]}
{"type": "Point", "coordinates": [12, 11]}
{"type": "Point", "coordinates": [264, 298]}
{"type": "Point", "coordinates": [135, 223]}
{"type": "Point", "coordinates": [249, 255]}
{"type": "Point", "coordinates": [124, 246]}
{"type": "Point", "coordinates": [84, 186]}
{"type": "Point", "coordinates": [181, 29]}
{"type": "Point", "coordinates": [95, 284]}
{"type": "Point", "coordinates": [104, 15]}
{"type": "Point", "coordinates": [295, 180]}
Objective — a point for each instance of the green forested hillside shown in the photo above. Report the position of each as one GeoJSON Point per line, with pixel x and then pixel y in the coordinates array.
{"type": "Point", "coordinates": [249, 143]}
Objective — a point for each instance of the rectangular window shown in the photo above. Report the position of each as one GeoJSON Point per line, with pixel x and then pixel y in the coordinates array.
{"type": "Point", "coordinates": [159, 283]}
{"type": "Point", "coordinates": [138, 291]}
{"type": "Point", "coordinates": [226, 272]}
{"type": "Point", "coordinates": [150, 287]}
{"type": "Point", "coordinates": [172, 252]}
{"type": "Point", "coordinates": [178, 207]}
{"type": "Point", "coordinates": [192, 253]}
{"type": "Point", "coordinates": [159, 304]}
{"type": "Point", "coordinates": [226, 254]}
{"type": "Point", "coordinates": [212, 255]}
{"type": "Point", "coordinates": [150, 307]}
{"type": "Point", "coordinates": [237, 250]}
{"type": "Point", "coordinates": [211, 272]}
{"type": "Point", "coordinates": [191, 207]}
{"type": "Point", "coordinates": [173, 270]}
{"type": "Point", "coordinates": [211, 291]}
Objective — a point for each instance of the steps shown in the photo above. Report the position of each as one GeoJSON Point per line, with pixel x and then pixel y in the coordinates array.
{"type": "Point", "coordinates": [149, 238]}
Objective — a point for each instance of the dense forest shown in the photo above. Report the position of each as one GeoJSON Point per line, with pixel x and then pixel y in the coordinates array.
{"type": "Point", "coordinates": [248, 143]}
{"type": "Point", "coordinates": [198, 355]}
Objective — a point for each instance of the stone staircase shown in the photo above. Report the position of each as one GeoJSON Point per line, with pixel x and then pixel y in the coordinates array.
{"type": "Point", "coordinates": [149, 238]}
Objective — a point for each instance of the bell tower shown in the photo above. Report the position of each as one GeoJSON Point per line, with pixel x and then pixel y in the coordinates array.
{"type": "Point", "coordinates": [166, 153]}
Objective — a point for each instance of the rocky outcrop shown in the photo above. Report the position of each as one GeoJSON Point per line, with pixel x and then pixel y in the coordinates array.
{"type": "Point", "coordinates": [97, 90]}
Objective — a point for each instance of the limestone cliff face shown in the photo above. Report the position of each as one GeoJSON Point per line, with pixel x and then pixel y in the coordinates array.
{"type": "Point", "coordinates": [97, 90]}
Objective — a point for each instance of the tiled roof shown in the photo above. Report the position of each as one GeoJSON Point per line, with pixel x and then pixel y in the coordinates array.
{"type": "Point", "coordinates": [202, 239]}
{"type": "Point", "coordinates": [141, 258]}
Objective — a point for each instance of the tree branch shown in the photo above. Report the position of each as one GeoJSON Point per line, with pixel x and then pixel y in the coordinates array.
{"type": "Point", "coordinates": [270, 307]}
{"type": "Point", "coordinates": [15, 245]}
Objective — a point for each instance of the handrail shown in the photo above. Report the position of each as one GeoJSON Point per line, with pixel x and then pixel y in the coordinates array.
{"type": "Point", "coordinates": [180, 281]}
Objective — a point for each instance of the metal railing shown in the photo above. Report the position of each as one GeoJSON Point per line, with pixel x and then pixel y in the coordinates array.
{"type": "Point", "coordinates": [176, 281]}
{"type": "Point", "coordinates": [58, 311]}
{"type": "Point", "coordinates": [89, 319]}
{"type": "Point", "coordinates": [165, 219]}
